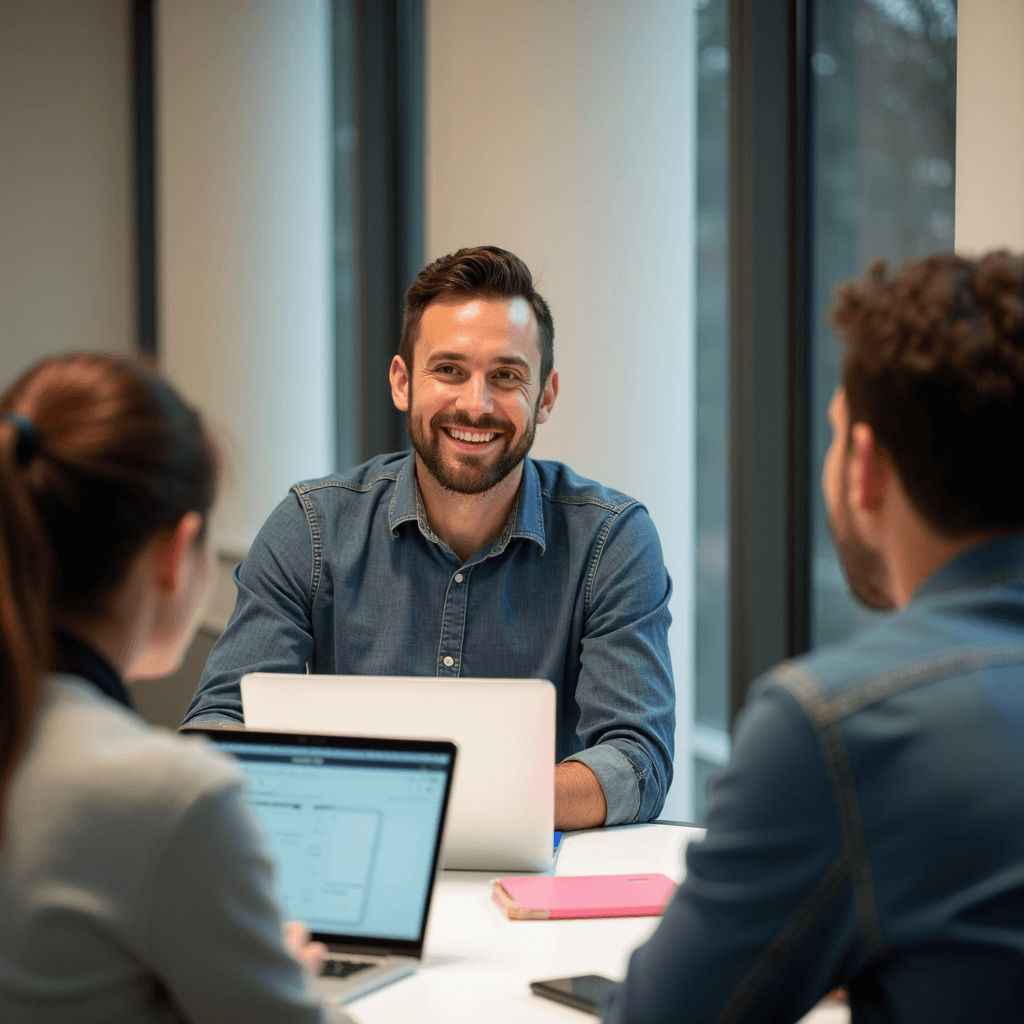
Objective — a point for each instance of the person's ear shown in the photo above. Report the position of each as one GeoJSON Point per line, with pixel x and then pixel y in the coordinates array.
{"type": "Point", "coordinates": [171, 551]}
{"type": "Point", "coordinates": [870, 471]}
{"type": "Point", "coordinates": [399, 376]}
{"type": "Point", "coordinates": [547, 397]}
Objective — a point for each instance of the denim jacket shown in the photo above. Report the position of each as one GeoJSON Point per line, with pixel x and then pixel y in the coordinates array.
{"type": "Point", "coordinates": [347, 577]}
{"type": "Point", "coordinates": [868, 830]}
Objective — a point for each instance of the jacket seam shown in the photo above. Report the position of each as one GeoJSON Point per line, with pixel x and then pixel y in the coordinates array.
{"type": "Point", "coordinates": [804, 687]}
{"type": "Point", "coordinates": [583, 499]}
{"type": "Point", "coordinates": [316, 543]}
{"type": "Point", "coordinates": [865, 902]}
{"type": "Point", "coordinates": [777, 950]}
{"type": "Point", "coordinates": [595, 560]}
{"type": "Point", "coordinates": [827, 711]}
{"type": "Point", "coordinates": [905, 678]}
{"type": "Point", "coordinates": [825, 717]}
{"type": "Point", "coordinates": [346, 484]}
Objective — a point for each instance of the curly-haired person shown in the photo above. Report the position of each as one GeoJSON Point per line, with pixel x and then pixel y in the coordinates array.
{"type": "Point", "coordinates": [869, 828]}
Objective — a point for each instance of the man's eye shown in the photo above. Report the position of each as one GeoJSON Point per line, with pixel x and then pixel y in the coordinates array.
{"type": "Point", "coordinates": [447, 369]}
{"type": "Point", "coordinates": [506, 375]}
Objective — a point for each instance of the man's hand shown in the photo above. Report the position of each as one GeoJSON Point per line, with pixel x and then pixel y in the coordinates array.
{"type": "Point", "coordinates": [579, 798]}
{"type": "Point", "coordinates": [296, 940]}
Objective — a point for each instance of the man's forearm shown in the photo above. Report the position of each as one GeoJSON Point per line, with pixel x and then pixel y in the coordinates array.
{"type": "Point", "coordinates": [579, 798]}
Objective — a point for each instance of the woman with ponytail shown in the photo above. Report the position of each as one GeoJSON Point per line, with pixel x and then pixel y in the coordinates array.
{"type": "Point", "coordinates": [134, 886]}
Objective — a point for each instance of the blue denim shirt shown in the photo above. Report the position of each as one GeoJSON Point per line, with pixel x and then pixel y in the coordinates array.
{"type": "Point", "coordinates": [868, 830]}
{"type": "Point", "coordinates": [347, 577]}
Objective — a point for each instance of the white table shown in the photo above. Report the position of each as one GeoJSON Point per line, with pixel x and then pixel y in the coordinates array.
{"type": "Point", "coordinates": [479, 965]}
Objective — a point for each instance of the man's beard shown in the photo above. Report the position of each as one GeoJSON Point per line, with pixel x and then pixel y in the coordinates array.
{"type": "Point", "coordinates": [863, 565]}
{"type": "Point", "coordinates": [470, 475]}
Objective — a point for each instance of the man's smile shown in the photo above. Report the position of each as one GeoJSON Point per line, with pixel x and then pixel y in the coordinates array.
{"type": "Point", "coordinates": [470, 440]}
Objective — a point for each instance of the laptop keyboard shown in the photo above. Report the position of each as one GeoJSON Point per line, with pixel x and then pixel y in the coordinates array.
{"type": "Point", "coordinates": [342, 968]}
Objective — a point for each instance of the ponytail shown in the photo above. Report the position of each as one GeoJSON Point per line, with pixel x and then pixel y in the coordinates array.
{"type": "Point", "coordinates": [97, 454]}
{"type": "Point", "coordinates": [25, 617]}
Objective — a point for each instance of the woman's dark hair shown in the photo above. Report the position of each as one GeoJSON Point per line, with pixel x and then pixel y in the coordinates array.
{"type": "Point", "coordinates": [97, 454]}
{"type": "Point", "coordinates": [935, 366]}
{"type": "Point", "coordinates": [485, 272]}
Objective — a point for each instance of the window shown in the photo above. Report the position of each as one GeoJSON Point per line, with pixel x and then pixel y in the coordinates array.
{"type": "Point", "coordinates": [711, 571]}
{"type": "Point", "coordinates": [826, 132]}
{"type": "Point", "coordinates": [884, 105]}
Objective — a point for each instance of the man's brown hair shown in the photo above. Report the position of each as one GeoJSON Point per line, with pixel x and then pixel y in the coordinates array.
{"type": "Point", "coordinates": [935, 366]}
{"type": "Point", "coordinates": [485, 272]}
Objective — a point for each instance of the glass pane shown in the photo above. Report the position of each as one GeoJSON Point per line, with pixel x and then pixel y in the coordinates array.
{"type": "Point", "coordinates": [711, 668]}
{"type": "Point", "coordinates": [884, 104]}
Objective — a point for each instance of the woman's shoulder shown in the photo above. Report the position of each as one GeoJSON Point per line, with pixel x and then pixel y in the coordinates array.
{"type": "Point", "coordinates": [91, 750]}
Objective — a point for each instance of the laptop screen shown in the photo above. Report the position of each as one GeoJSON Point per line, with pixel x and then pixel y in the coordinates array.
{"type": "Point", "coordinates": [354, 830]}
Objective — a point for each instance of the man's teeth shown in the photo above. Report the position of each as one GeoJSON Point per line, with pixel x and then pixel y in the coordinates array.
{"type": "Point", "coordinates": [469, 435]}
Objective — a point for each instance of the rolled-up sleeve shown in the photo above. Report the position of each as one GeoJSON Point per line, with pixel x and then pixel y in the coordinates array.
{"type": "Point", "coordinates": [625, 691]}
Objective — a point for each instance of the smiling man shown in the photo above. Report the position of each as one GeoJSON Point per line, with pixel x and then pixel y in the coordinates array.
{"type": "Point", "coordinates": [467, 558]}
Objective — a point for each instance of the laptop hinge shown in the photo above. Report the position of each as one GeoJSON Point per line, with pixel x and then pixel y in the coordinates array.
{"type": "Point", "coordinates": [337, 948]}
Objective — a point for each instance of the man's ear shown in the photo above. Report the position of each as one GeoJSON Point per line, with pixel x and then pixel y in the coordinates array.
{"type": "Point", "coordinates": [170, 551]}
{"type": "Point", "coordinates": [547, 397]}
{"type": "Point", "coordinates": [399, 376]}
{"type": "Point", "coordinates": [870, 471]}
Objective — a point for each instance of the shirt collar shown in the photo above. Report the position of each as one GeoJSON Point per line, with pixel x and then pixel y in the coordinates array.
{"type": "Point", "coordinates": [80, 659]}
{"type": "Point", "coordinates": [989, 564]}
{"type": "Point", "coordinates": [405, 501]}
{"type": "Point", "coordinates": [526, 519]}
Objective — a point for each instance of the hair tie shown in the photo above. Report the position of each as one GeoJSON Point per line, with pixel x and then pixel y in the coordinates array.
{"type": "Point", "coordinates": [25, 446]}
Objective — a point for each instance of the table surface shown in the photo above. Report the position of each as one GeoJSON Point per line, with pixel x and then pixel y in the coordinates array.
{"type": "Point", "coordinates": [478, 965]}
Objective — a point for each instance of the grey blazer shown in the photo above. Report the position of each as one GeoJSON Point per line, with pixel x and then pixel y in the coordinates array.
{"type": "Point", "coordinates": [134, 883]}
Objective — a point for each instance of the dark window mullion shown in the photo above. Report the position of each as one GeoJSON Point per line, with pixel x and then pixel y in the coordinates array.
{"type": "Point", "coordinates": [801, 474]}
{"type": "Point", "coordinates": [144, 175]}
{"type": "Point", "coordinates": [378, 98]}
{"type": "Point", "coordinates": [762, 339]}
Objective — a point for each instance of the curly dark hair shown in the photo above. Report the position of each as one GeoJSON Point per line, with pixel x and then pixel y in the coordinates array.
{"type": "Point", "coordinates": [935, 366]}
{"type": "Point", "coordinates": [485, 271]}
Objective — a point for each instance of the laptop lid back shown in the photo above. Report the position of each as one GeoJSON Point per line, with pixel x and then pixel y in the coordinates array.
{"type": "Point", "coordinates": [355, 825]}
{"type": "Point", "coordinates": [503, 802]}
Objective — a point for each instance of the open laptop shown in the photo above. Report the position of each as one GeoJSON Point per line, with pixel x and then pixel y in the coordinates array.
{"type": "Point", "coordinates": [503, 797]}
{"type": "Point", "coordinates": [355, 825]}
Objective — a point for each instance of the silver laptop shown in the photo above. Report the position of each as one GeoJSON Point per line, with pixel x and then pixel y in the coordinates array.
{"type": "Point", "coordinates": [355, 825]}
{"type": "Point", "coordinates": [503, 797]}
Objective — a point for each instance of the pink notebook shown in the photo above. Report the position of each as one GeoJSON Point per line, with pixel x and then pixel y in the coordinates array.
{"type": "Point", "coordinates": [547, 897]}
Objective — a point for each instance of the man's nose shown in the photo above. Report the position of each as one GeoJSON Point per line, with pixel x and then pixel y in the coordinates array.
{"type": "Point", "coordinates": [476, 398]}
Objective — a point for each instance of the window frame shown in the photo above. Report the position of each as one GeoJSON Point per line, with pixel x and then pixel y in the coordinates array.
{"type": "Point", "coordinates": [378, 160]}
{"type": "Point", "coordinates": [769, 279]}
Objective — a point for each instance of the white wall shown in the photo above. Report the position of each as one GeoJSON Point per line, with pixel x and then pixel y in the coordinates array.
{"type": "Point", "coordinates": [563, 130]}
{"type": "Point", "coordinates": [66, 261]}
{"type": "Point", "coordinates": [990, 126]}
{"type": "Point", "coordinates": [244, 220]}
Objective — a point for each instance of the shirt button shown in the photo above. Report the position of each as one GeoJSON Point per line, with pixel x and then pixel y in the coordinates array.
{"type": "Point", "coordinates": [458, 577]}
{"type": "Point", "coordinates": [449, 661]}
